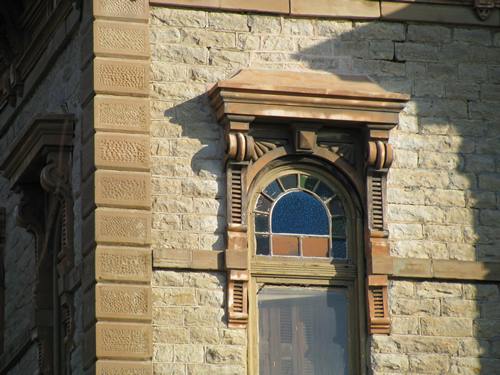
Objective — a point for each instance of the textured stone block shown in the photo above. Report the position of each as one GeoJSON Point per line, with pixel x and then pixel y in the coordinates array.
{"type": "Point", "coordinates": [121, 39]}
{"type": "Point", "coordinates": [127, 227]}
{"type": "Point", "coordinates": [116, 151]}
{"type": "Point", "coordinates": [135, 10]}
{"type": "Point", "coordinates": [123, 368]}
{"type": "Point", "coordinates": [123, 340]}
{"type": "Point", "coordinates": [130, 302]}
{"type": "Point", "coordinates": [117, 189]}
{"type": "Point", "coordinates": [122, 263]}
{"type": "Point", "coordinates": [127, 115]}
{"type": "Point", "coordinates": [114, 76]}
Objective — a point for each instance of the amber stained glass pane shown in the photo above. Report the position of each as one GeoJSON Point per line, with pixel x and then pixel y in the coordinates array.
{"type": "Point", "coordinates": [285, 245]}
{"type": "Point", "coordinates": [315, 247]}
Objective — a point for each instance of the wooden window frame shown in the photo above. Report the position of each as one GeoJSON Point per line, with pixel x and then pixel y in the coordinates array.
{"type": "Point", "coordinates": [274, 270]}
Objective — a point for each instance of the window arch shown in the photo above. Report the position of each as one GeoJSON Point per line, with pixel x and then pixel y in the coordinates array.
{"type": "Point", "coordinates": [300, 213]}
{"type": "Point", "coordinates": [306, 287]}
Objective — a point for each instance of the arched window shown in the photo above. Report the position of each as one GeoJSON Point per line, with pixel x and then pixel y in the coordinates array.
{"type": "Point", "coordinates": [305, 288]}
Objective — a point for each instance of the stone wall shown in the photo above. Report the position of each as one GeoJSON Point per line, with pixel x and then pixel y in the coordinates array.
{"type": "Point", "coordinates": [443, 188]}
{"type": "Point", "coordinates": [58, 92]}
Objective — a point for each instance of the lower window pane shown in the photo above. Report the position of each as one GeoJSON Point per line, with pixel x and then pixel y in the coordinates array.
{"type": "Point", "coordinates": [303, 331]}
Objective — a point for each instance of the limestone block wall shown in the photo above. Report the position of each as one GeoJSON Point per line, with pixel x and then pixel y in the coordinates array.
{"type": "Point", "coordinates": [443, 187]}
{"type": "Point", "coordinates": [58, 92]}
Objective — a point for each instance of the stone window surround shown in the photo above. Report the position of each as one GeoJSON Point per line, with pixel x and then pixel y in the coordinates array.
{"type": "Point", "coordinates": [468, 12]}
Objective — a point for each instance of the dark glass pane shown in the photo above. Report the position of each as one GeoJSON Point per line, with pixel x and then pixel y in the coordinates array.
{"type": "Point", "coordinates": [261, 223]}
{"type": "Point", "coordinates": [289, 182]}
{"type": "Point", "coordinates": [339, 248]}
{"type": "Point", "coordinates": [263, 204]}
{"type": "Point", "coordinates": [285, 245]}
{"type": "Point", "coordinates": [303, 331]}
{"type": "Point", "coordinates": [308, 182]}
{"type": "Point", "coordinates": [338, 226]}
{"type": "Point", "coordinates": [315, 246]}
{"type": "Point", "coordinates": [323, 191]}
{"type": "Point", "coordinates": [336, 207]}
{"type": "Point", "coordinates": [273, 190]}
{"type": "Point", "coordinates": [262, 242]}
{"type": "Point", "coordinates": [299, 213]}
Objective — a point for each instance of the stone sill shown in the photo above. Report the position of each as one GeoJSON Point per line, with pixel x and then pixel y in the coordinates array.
{"type": "Point", "coordinates": [352, 9]}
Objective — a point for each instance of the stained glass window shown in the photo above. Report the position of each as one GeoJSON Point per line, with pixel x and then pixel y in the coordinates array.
{"type": "Point", "coordinates": [300, 215]}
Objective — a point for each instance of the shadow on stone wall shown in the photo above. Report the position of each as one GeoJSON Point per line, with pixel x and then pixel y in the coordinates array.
{"type": "Point", "coordinates": [443, 187]}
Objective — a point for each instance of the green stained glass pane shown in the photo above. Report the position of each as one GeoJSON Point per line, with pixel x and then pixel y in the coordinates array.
{"type": "Point", "coordinates": [263, 204]}
{"type": "Point", "coordinates": [338, 226]}
{"type": "Point", "coordinates": [323, 191]}
{"type": "Point", "coordinates": [261, 223]}
{"type": "Point", "coordinates": [273, 190]}
{"type": "Point", "coordinates": [289, 182]}
{"type": "Point", "coordinates": [308, 182]}
{"type": "Point", "coordinates": [262, 244]}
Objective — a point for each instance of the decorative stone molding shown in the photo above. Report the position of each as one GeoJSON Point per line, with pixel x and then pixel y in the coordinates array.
{"type": "Point", "coordinates": [305, 106]}
{"type": "Point", "coordinates": [39, 166]}
{"type": "Point", "coordinates": [116, 190]}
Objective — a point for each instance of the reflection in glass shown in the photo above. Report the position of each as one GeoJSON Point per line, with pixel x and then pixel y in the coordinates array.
{"type": "Point", "coordinates": [303, 331]}
{"type": "Point", "coordinates": [261, 223]}
{"type": "Point", "coordinates": [308, 182]}
{"type": "Point", "coordinates": [273, 190]}
{"type": "Point", "coordinates": [262, 244]}
{"type": "Point", "coordinates": [339, 248]}
{"type": "Point", "coordinates": [289, 182]}
{"type": "Point", "coordinates": [263, 204]}
{"type": "Point", "coordinates": [300, 213]}
{"type": "Point", "coordinates": [323, 191]}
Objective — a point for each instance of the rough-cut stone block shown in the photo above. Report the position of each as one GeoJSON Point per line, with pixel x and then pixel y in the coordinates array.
{"type": "Point", "coordinates": [123, 368]}
{"type": "Point", "coordinates": [130, 302]}
{"type": "Point", "coordinates": [113, 76]}
{"type": "Point", "coordinates": [128, 115]}
{"type": "Point", "coordinates": [118, 189]}
{"type": "Point", "coordinates": [127, 227]}
{"type": "Point", "coordinates": [135, 10]}
{"type": "Point", "coordinates": [122, 263]}
{"type": "Point", "coordinates": [121, 39]}
{"type": "Point", "coordinates": [123, 340]}
{"type": "Point", "coordinates": [116, 151]}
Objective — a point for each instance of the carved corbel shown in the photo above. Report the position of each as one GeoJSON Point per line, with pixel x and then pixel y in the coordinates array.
{"type": "Point", "coordinates": [379, 158]}
{"type": "Point", "coordinates": [483, 8]}
{"type": "Point", "coordinates": [240, 151]}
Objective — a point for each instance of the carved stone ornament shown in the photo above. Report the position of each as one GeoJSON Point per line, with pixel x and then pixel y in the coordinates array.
{"type": "Point", "coordinates": [484, 8]}
{"type": "Point", "coordinates": [38, 166]}
{"type": "Point", "coordinates": [305, 103]}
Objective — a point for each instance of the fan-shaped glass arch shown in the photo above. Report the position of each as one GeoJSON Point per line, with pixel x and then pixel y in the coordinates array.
{"type": "Point", "coordinates": [300, 214]}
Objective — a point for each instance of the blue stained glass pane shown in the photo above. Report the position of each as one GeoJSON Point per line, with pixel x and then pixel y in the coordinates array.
{"type": "Point", "coordinates": [300, 213]}
{"type": "Point", "coordinates": [338, 226]}
{"type": "Point", "coordinates": [263, 204]}
{"type": "Point", "coordinates": [261, 223]}
{"type": "Point", "coordinates": [273, 190]}
{"type": "Point", "coordinates": [289, 182]}
{"type": "Point", "coordinates": [339, 248]}
{"type": "Point", "coordinates": [323, 191]}
{"type": "Point", "coordinates": [336, 207]}
{"type": "Point", "coordinates": [262, 243]}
